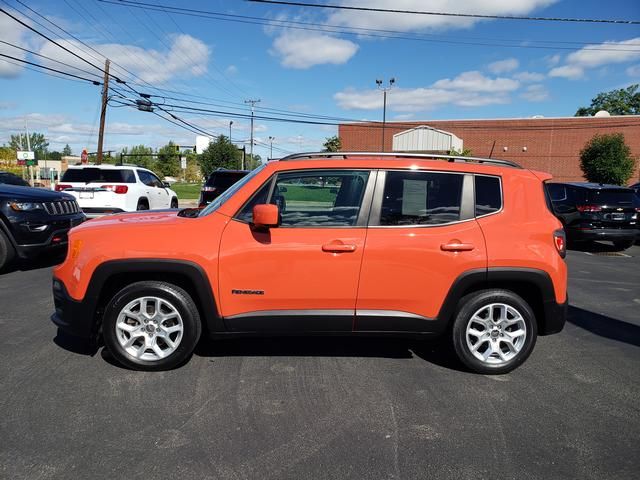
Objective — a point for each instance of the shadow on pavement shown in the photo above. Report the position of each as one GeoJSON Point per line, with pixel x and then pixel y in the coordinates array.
{"type": "Point", "coordinates": [593, 247]}
{"type": "Point", "coordinates": [74, 344]}
{"type": "Point", "coordinates": [35, 264]}
{"type": "Point", "coordinates": [604, 326]}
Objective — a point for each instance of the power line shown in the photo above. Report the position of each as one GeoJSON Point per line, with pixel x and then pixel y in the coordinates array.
{"type": "Point", "coordinates": [41, 71]}
{"type": "Point", "coordinates": [448, 14]}
{"type": "Point", "coordinates": [95, 82]}
{"type": "Point", "coordinates": [359, 31]}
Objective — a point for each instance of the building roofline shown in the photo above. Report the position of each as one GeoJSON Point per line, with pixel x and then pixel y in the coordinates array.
{"type": "Point", "coordinates": [427, 122]}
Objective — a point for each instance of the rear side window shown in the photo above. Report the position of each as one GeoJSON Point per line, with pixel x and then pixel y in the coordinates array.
{"type": "Point", "coordinates": [421, 198]}
{"type": "Point", "coordinates": [98, 175]}
{"type": "Point", "coordinates": [224, 180]}
{"type": "Point", "coordinates": [557, 192]}
{"type": "Point", "coordinates": [488, 195]}
{"type": "Point", "coordinates": [620, 197]}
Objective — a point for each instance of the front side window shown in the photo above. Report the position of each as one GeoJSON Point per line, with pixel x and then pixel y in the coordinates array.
{"type": "Point", "coordinates": [421, 198]}
{"type": "Point", "coordinates": [313, 199]}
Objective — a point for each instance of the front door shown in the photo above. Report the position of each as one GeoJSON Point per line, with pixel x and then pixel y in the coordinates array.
{"type": "Point", "coordinates": [302, 275]}
{"type": "Point", "coordinates": [422, 236]}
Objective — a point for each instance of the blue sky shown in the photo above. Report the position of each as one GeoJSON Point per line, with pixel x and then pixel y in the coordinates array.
{"type": "Point", "coordinates": [313, 72]}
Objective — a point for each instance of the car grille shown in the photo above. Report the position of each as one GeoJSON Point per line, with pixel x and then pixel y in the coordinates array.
{"type": "Point", "coordinates": [64, 207]}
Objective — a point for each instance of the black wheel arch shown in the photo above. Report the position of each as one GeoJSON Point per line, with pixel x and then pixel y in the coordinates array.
{"type": "Point", "coordinates": [111, 276]}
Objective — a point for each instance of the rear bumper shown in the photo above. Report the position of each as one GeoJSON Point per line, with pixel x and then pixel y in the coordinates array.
{"type": "Point", "coordinates": [617, 234]}
{"type": "Point", "coordinates": [555, 317]}
{"type": "Point", "coordinates": [93, 212]}
{"type": "Point", "coordinates": [71, 316]}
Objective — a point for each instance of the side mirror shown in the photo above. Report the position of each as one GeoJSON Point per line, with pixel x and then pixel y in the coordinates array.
{"type": "Point", "coordinates": [166, 184]}
{"type": "Point", "coordinates": [265, 216]}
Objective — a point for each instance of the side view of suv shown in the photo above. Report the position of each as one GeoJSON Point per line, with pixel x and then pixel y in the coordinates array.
{"type": "Point", "coordinates": [329, 243]}
{"type": "Point", "coordinates": [593, 211]}
{"type": "Point", "coordinates": [217, 183]}
{"type": "Point", "coordinates": [104, 189]}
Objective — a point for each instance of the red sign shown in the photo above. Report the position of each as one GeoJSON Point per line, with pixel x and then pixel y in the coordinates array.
{"type": "Point", "coordinates": [22, 162]}
{"type": "Point", "coordinates": [84, 156]}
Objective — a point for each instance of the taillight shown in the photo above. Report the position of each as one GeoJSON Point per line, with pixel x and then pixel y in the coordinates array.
{"type": "Point", "coordinates": [208, 189]}
{"type": "Point", "coordinates": [589, 208]}
{"type": "Point", "coordinates": [60, 187]}
{"type": "Point", "coordinates": [560, 241]}
{"type": "Point", "coordinates": [116, 188]}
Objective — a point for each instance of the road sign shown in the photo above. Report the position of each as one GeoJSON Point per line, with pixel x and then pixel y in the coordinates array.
{"type": "Point", "coordinates": [31, 163]}
{"type": "Point", "coordinates": [25, 155]}
{"type": "Point", "coordinates": [84, 156]}
{"type": "Point", "coordinates": [183, 163]}
{"type": "Point", "coordinates": [22, 162]}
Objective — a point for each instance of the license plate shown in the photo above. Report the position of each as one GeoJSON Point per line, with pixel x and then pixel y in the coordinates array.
{"type": "Point", "coordinates": [86, 195]}
{"type": "Point", "coordinates": [617, 216]}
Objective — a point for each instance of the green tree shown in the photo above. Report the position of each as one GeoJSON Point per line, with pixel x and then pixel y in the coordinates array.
{"type": "Point", "coordinates": [192, 173]}
{"type": "Point", "coordinates": [219, 154]}
{"type": "Point", "coordinates": [332, 144]}
{"type": "Point", "coordinates": [7, 154]}
{"type": "Point", "coordinates": [66, 151]}
{"type": "Point", "coordinates": [251, 163]}
{"type": "Point", "coordinates": [607, 159]}
{"type": "Point", "coordinates": [143, 156]}
{"type": "Point", "coordinates": [465, 152]}
{"type": "Point", "coordinates": [55, 155]}
{"type": "Point", "coordinates": [168, 161]}
{"type": "Point", "coordinates": [38, 142]}
{"type": "Point", "coordinates": [625, 101]}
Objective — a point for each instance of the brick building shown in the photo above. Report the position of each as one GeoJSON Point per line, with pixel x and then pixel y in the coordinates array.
{"type": "Point", "coordinates": [549, 144]}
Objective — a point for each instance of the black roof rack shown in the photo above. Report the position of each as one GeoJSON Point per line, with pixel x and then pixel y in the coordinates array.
{"type": "Point", "coordinates": [431, 156]}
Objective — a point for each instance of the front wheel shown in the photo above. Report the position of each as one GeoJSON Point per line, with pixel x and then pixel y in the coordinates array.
{"type": "Point", "coordinates": [494, 331]}
{"type": "Point", "coordinates": [174, 203]}
{"type": "Point", "coordinates": [151, 325]}
{"type": "Point", "coordinates": [6, 251]}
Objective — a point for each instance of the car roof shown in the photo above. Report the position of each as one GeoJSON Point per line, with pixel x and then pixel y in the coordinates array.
{"type": "Point", "coordinates": [223, 171]}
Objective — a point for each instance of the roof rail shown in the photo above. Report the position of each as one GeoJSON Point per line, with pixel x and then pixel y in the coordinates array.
{"type": "Point", "coordinates": [432, 156]}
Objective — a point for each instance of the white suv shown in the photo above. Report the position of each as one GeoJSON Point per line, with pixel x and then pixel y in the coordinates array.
{"type": "Point", "coordinates": [104, 189]}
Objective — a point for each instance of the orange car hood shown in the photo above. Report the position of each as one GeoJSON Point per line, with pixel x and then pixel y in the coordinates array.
{"type": "Point", "coordinates": [159, 217]}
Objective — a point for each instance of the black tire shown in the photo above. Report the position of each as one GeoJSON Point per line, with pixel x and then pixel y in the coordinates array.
{"type": "Point", "coordinates": [143, 204]}
{"type": "Point", "coordinates": [473, 303]}
{"type": "Point", "coordinates": [179, 299]}
{"type": "Point", "coordinates": [623, 244]}
{"type": "Point", "coordinates": [174, 203]}
{"type": "Point", "coordinates": [7, 252]}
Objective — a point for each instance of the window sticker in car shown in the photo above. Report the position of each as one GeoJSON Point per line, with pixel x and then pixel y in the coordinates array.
{"type": "Point", "coordinates": [414, 197]}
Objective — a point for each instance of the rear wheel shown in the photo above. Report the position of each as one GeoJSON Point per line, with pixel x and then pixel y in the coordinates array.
{"type": "Point", "coordinates": [7, 253]}
{"type": "Point", "coordinates": [143, 204]}
{"type": "Point", "coordinates": [623, 244]}
{"type": "Point", "coordinates": [494, 331]}
{"type": "Point", "coordinates": [151, 325]}
{"type": "Point", "coordinates": [174, 203]}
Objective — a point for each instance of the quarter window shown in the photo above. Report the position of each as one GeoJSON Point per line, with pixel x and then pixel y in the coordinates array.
{"type": "Point", "coordinates": [421, 198]}
{"type": "Point", "coordinates": [488, 195]}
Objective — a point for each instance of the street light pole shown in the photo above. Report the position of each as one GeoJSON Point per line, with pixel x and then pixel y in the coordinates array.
{"type": "Point", "coordinates": [379, 83]}
{"type": "Point", "coordinates": [271, 139]}
{"type": "Point", "coordinates": [252, 102]}
{"type": "Point", "coordinates": [230, 123]}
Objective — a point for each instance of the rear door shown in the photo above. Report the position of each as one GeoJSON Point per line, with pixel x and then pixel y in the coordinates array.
{"type": "Point", "coordinates": [422, 235]}
{"type": "Point", "coordinates": [302, 275]}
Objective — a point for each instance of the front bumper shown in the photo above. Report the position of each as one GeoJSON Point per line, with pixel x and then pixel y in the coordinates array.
{"type": "Point", "coordinates": [71, 316]}
{"type": "Point", "coordinates": [36, 235]}
{"type": "Point", "coordinates": [611, 234]}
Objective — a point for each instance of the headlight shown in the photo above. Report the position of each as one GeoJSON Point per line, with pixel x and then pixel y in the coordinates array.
{"type": "Point", "coordinates": [26, 206]}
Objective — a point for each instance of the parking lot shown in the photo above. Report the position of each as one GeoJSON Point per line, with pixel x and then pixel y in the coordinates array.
{"type": "Point", "coordinates": [328, 407]}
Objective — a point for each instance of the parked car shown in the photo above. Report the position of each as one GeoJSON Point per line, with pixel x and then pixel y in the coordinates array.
{"type": "Point", "coordinates": [9, 178]}
{"type": "Point", "coordinates": [34, 221]}
{"type": "Point", "coordinates": [593, 211]}
{"type": "Point", "coordinates": [217, 183]}
{"type": "Point", "coordinates": [368, 244]}
{"type": "Point", "coordinates": [636, 188]}
{"type": "Point", "coordinates": [104, 189]}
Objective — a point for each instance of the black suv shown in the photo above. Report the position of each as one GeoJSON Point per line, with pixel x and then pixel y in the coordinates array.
{"type": "Point", "coordinates": [219, 181]}
{"type": "Point", "coordinates": [33, 220]}
{"type": "Point", "coordinates": [593, 211]}
{"type": "Point", "coordinates": [9, 178]}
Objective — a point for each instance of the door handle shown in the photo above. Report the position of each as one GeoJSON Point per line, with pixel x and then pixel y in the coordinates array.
{"type": "Point", "coordinates": [338, 247]}
{"type": "Point", "coordinates": [456, 246]}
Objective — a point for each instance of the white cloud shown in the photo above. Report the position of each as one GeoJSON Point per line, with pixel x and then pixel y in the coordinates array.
{"type": "Point", "coordinates": [633, 70]}
{"type": "Point", "coordinates": [529, 76]}
{"type": "Point", "coordinates": [12, 32]}
{"type": "Point", "coordinates": [535, 93]}
{"type": "Point", "coordinates": [188, 56]}
{"type": "Point", "coordinates": [416, 22]}
{"type": "Point", "coordinates": [301, 50]}
{"type": "Point", "coordinates": [503, 66]}
{"type": "Point", "coordinates": [469, 89]}
{"type": "Point", "coordinates": [553, 60]}
{"type": "Point", "coordinates": [593, 56]}
{"type": "Point", "coordinates": [231, 70]}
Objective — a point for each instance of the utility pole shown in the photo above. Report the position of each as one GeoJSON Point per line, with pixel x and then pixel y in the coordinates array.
{"type": "Point", "coordinates": [252, 102]}
{"type": "Point", "coordinates": [392, 81]}
{"type": "Point", "coordinates": [271, 139]}
{"type": "Point", "coordinates": [103, 111]}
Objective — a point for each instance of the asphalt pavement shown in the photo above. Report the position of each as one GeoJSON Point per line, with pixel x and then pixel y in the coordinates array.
{"type": "Point", "coordinates": [328, 408]}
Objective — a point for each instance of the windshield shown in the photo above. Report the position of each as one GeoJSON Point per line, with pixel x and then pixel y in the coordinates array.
{"type": "Point", "coordinates": [98, 175]}
{"type": "Point", "coordinates": [218, 202]}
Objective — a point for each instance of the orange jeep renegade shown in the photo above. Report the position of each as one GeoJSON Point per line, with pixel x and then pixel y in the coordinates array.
{"type": "Point", "coordinates": [336, 243]}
